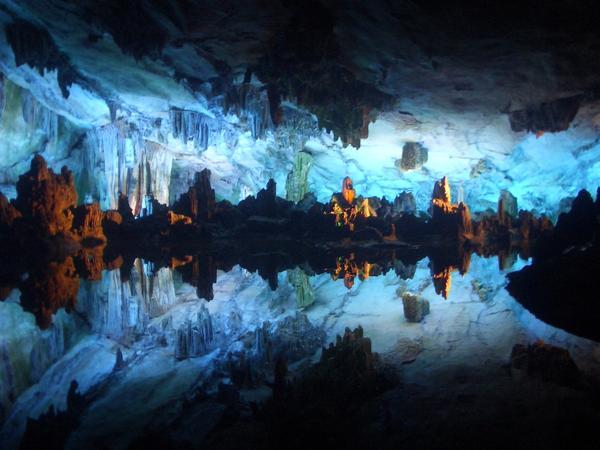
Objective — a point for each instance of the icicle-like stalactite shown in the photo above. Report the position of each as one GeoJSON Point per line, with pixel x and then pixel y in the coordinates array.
{"type": "Point", "coordinates": [255, 108]}
{"type": "Point", "coordinates": [130, 164]}
{"type": "Point", "coordinates": [39, 118]}
{"type": "Point", "coordinates": [192, 126]}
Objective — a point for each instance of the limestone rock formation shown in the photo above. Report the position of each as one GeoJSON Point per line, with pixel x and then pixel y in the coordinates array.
{"type": "Point", "coordinates": [507, 207]}
{"type": "Point", "coordinates": [414, 155]}
{"type": "Point", "coordinates": [87, 223]}
{"type": "Point", "coordinates": [550, 363]}
{"type": "Point", "coordinates": [46, 199]}
{"type": "Point", "coordinates": [194, 338]}
{"type": "Point", "coordinates": [199, 202]}
{"type": "Point", "coordinates": [295, 337]}
{"type": "Point", "coordinates": [8, 213]}
{"type": "Point", "coordinates": [415, 307]}
{"type": "Point", "coordinates": [405, 203]}
{"type": "Point", "coordinates": [296, 186]}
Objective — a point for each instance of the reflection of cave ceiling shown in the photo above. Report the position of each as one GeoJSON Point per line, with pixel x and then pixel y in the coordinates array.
{"type": "Point", "coordinates": [468, 80]}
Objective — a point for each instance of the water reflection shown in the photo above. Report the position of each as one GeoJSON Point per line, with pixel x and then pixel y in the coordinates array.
{"type": "Point", "coordinates": [53, 285]}
{"type": "Point", "coordinates": [164, 344]}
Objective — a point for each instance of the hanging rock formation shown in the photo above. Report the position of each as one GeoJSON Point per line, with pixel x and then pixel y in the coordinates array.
{"type": "Point", "coordinates": [551, 116]}
{"type": "Point", "coordinates": [414, 155]}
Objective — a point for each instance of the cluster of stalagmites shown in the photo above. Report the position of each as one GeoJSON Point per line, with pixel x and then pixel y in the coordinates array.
{"type": "Point", "coordinates": [46, 206]}
{"type": "Point", "coordinates": [45, 219]}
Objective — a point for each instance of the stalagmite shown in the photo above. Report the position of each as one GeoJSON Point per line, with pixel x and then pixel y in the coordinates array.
{"type": "Point", "coordinates": [46, 199]}
{"type": "Point", "coordinates": [296, 185]}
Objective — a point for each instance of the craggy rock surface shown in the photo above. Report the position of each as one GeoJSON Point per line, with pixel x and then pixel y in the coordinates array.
{"type": "Point", "coordinates": [46, 199]}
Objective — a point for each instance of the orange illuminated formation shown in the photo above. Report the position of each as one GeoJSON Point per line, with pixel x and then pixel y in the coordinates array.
{"type": "Point", "coordinates": [442, 281]}
{"type": "Point", "coordinates": [347, 207]}
{"type": "Point", "coordinates": [348, 269]}
{"type": "Point", "coordinates": [447, 214]}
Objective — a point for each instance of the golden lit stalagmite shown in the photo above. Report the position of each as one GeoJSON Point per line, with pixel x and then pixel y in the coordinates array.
{"type": "Point", "coordinates": [347, 207]}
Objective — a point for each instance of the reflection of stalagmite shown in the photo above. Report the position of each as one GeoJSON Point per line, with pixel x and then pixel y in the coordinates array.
{"type": "Point", "coordinates": [442, 282]}
{"type": "Point", "coordinates": [202, 274]}
{"type": "Point", "coordinates": [194, 338]}
{"type": "Point", "coordinates": [305, 295]}
{"type": "Point", "coordinates": [45, 291]}
{"type": "Point", "coordinates": [349, 269]}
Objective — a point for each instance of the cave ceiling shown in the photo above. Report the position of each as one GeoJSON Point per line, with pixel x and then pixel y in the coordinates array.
{"type": "Point", "coordinates": [345, 61]}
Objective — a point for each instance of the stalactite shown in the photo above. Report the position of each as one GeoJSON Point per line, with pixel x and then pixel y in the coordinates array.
{"type": "Point", "coordinates": [130, 165]}
{"type": "Point", "coordinates": [251, 103]}
{"type": "Point", "coordinates": [192, 126]}
{"type": "Point", "coordinates": [39, 118]}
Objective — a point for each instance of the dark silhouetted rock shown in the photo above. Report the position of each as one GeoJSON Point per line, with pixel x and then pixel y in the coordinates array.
{"type": "Point", "coordinates": [199, 201]}
{"type": "Point", "coordinates": [552, 116]}
{"type": "Point", "coordinates": [8, 213]}
{"type": "Point", "coordinates": [550, 363]}
{"type": "Point", "coordinates": [124, 209]}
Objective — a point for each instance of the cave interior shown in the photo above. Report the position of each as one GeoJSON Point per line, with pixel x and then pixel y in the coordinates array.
{"type": "Point", "coordinates": [299, 223]}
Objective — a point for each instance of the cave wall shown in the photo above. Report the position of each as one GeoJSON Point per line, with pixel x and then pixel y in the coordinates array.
{"type": "Point", "coordinates": [159, 155]}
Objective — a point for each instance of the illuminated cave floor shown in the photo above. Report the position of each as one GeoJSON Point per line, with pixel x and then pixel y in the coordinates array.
{"type": "Point", "coordinates": [456, 388]}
